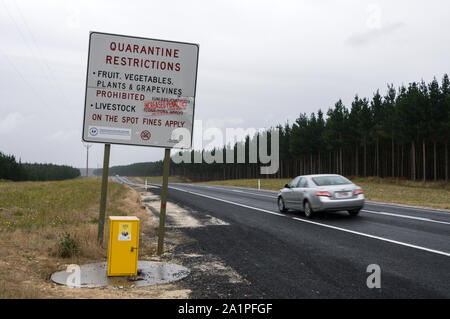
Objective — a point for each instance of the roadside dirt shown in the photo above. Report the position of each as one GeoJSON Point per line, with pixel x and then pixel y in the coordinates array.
{"type": "Point", "coordinates": [27, 261]}
{"type": "Point", "coordinates": [181, 249]}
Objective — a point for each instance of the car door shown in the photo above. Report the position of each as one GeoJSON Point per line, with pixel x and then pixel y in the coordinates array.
{"type": "Point", "coordinates": [297, 194]}
{"type": "Point", "coordinates": [288, 193]}
{"type": "Point", "coordinates": [303, 188]}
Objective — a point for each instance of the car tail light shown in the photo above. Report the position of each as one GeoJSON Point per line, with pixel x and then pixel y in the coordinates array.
{"type": "Point", "coordinates": [326, 194]}
{"type": "Point", "coordinates": [358, 192]}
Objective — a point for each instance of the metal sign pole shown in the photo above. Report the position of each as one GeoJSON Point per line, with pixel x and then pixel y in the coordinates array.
{"type": "Point", "coordinates": [87, 158]}
{"type": "Point", "coordinates": [101, 217]}
{"type": "Point", "coordinates": [162, 215]}
{"type": "Point", "coordinates": [87, 161]}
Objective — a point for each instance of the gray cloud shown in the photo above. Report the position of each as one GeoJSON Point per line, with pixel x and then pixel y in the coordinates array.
{"type": "Point", "coordinates": [364, 38]}
{"type": "Point", "coordinates": [265, 65]}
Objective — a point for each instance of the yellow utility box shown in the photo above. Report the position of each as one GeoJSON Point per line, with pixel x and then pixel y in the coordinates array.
{"type": "Point", "coordinates": [123, 245]}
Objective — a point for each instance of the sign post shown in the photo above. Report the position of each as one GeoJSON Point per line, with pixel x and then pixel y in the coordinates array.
{"type": "Point", "coordinates": [162, 214]}
{"type": "Point", "coordinates": [141, 92]}
{"type": "Point", "coordinates": [101, 217]}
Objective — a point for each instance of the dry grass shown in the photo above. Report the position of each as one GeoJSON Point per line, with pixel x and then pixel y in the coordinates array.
{"type": "Point", "coordinates": [34, 216]}
{"type": "Point", "coordinates": [430, 194]}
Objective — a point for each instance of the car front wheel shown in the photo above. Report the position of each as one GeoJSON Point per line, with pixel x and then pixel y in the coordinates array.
{"type": "Point", "coordinates": [281, 205]}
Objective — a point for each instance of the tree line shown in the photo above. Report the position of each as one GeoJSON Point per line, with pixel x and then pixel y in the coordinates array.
{"type": "Point", "coordinates": [403, 133]}
{"type": "Point", "coordinates": [12, 170]}
{"type": "Point", "coordinates": [136, 169]}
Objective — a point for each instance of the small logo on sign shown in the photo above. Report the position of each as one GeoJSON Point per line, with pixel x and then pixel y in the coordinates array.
{"type": "Point", "coordinates": [124, 231]}
{"type": "Point", "coordinates": [145, 135]}
{"type": "Point", "coordinates": [93, 131]}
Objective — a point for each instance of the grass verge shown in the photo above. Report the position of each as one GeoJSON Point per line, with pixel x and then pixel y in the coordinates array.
{"type": "Point", "coordinates": [47, 225]}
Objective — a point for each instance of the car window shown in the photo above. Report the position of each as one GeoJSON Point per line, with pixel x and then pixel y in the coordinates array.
{"type": "Point", "coordinates": [330, 180]}
{"type": "Point", "coordinates": [294, 182]}
{"type": "Point", "coordinates": [299, 182]}
{"type": "Point", "coordinates": [303, 183]}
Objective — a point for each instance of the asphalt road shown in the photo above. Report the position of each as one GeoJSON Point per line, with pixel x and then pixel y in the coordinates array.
{"type": "Point", "coordinates": [289, 256]}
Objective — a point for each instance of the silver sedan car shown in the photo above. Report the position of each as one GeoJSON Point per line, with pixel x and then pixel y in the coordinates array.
{"type": "Point", "coordinates": [318, 193]}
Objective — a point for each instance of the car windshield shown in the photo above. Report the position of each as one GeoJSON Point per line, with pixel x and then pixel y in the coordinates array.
{"type": "Point", "coordinates": [330, 180]}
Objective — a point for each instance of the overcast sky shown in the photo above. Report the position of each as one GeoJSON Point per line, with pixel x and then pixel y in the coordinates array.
{"type": "Point", "coordinates": [260, 62]}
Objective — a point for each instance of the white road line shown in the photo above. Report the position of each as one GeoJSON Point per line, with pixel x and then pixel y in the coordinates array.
{"type": "Point", "coordinates": [406, 216]}
{"type": "Point", "coordinates": [428, 210]}
{"type": "Point", "coordinates": [228, 201]}
{"type": "Point", "coordinates": [369, 202]}
{"type": "Point", "coordinates": [320, 224]}
{"type": "Point", "coordinates": [238, 191]}
{"type": "Point", "coordinates": [364, 210]}
{"type": "Point", "coordinates": [233, 190]}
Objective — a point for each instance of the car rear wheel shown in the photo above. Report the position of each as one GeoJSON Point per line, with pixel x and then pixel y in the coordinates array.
{"type": "Point", "coordinates": [353, 212]}
{"type": "Point", "coordinates": [308, 210]}
{"type": "Point", "coordinates": [281, 205]}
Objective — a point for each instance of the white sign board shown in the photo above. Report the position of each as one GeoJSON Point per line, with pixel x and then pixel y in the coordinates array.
{"type": "Point", "coordinates": [140, 91]}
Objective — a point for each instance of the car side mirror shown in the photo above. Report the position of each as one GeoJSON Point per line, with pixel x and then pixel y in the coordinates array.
{"type": "Point", "coordinates": [287, 186]}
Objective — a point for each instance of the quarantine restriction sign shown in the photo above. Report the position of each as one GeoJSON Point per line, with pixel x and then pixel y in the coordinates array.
{"type": "Point", "coordinates": [140, 91]}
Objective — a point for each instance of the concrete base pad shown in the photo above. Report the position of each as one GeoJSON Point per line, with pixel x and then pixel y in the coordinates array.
{"type": "Point", "coordinates": [95, 275]}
